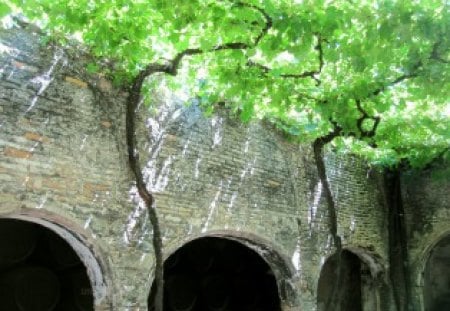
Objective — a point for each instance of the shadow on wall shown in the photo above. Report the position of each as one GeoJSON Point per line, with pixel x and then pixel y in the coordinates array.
{"type": "Point", "coordinates": [40, 271]}
{"type": "Point", "coordinates": [218, 274]}
{"type": "Point", "coordinates": [437, 277]}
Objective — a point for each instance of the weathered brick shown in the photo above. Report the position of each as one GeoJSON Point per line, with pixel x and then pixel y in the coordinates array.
{"type": "Point", "coordinates": [17, 153]}
{"type": "Point", "coordinates": [76, 82]}
{"type": "Point", "coordinates": [91, 189]}
{"type": "Point", "coordinates": [35, 137]}
{"type": "Point", "coordinates": [106, 124]}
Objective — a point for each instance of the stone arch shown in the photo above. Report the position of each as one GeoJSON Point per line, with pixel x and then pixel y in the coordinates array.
{"type": "Point", "coordinates": [361, 280]}
{"type": "Point", "coordinates": [96, 269]}
{"type": "Point", "coordinates": [435, 276]}
{"type": "Point", "coordinates": [282, 271]}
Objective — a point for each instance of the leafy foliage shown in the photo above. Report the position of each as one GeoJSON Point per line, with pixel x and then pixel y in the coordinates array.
{"type": "Point", "coordinates": [374, 72]}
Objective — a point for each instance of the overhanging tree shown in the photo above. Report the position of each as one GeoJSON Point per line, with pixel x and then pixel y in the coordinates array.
{"type": "Point", "coordinates": [367, 77]}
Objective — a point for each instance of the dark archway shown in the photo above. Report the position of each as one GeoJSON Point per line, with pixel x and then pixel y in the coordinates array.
{"type": "Point", "coordinates": [437, 277]}
{"type": "Point", "coordinates": [39, 270]}
{"type": "Point", "coordinates": [356, 289]}
{"type": "Point", "coordinates": [218, 274]}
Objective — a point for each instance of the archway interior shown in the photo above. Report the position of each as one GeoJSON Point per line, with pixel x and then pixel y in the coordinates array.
{"type": "Point", "coordinates": [355, 290]}
{"type": "Point", "coordinates": [218, 274]}
{"type": "Point", "coordinates": [39, 271]}
{"type": "Point", "coordinates": [437, 277]}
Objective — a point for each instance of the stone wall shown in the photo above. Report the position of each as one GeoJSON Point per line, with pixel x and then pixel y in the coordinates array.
{"type": "Point", "coordinates": [62, 159]}
{"type": "Point", "coordinates": [64, 165]}
{"type": "Point", "coordinates": [426, 196]}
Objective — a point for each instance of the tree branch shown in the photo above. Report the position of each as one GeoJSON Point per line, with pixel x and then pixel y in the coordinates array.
{"type": "Point", "coordinates": [413, 72]}
{"type": "Point", "coordinates": [318, 146]}
{"type": "Point", "coordinates": [268, 25]}
{"type": "Point", "coordinates": [376, 119]}
{"type": "Point", "coordinates": [306, 74]}
{"type": "Point", "coordinates": [133, 99]}
{"type": "Point", "coordinates": [365, 116]}
{"type": "Point", "coordinates": [133, 160]}
{"type": "Point", "coordinates": [435, 53]}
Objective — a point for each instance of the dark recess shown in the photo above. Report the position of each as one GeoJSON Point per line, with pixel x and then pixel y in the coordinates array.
{"type": "Point", "coordinates": [349, 289]}
{"type": "Point", "coordinates": [217, 274]}
{"type": "Point", "coordinates": [39, 271]}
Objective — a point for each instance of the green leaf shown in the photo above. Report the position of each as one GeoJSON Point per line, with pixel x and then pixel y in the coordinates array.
{"type": "Point", "coordinates": [4, 9]}
{"type": "Point", "coordinates": [92, 68]}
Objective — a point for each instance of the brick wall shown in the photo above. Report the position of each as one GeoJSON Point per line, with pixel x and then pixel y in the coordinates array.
{"type": "Point", "coordinates": [63, 161]}
{"type": "Point", "coordinates": [426, 197]}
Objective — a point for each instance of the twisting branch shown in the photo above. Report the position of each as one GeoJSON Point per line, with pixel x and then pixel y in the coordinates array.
{"type": "Point", "coordinates": [133, 99]}
{"type": "Point", "coordinates": [401, 78]}
{"type": "Point", "coordinates": [268, 19]}
{"type": "Point", "coordinates": [435, 53]}
{"type": "Point", "coordinates": [365, 116]}
{"type": "Point", "coordinates": [319, 48]}
{"type": "Point", "coordinates": [413, 73]}
{"type": "Point", "coordinates": [172, 67]}
{"type": "Point", "coordinates": [318, 147]}
{"type": "Point", "coordinates": [376, 119]}
{"type": "Point", "coordinates": [306, 74]}
{"type": "Point", "coordinates": [133, 159]}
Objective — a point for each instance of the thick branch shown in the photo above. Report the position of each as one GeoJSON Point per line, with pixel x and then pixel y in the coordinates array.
{"type": "Point", "coordinates": [318, 146]}
{"type": "Point", "coordinates": [268, 21]}
{"type": "Point", "coordinates": [376, 119]}
{"type": "Point", "coordinates": [331, 206]}
{"type": "Point", "coordinates": [396, 81]}
{"type": "Point", "coordinates": [133, 160]}
{"type": "Point", "coordinates": [306, 74]}
{"type": "Point", "coordinates": [365, 116]}
{"type": "Point", "coordinates": [435, 54]}
{"type": "Point", "coordinates": [133, 100]}
{"type": "Point", "coordinates": [413, 72]}
{"type": "Point", "coordinates": [173, 65]}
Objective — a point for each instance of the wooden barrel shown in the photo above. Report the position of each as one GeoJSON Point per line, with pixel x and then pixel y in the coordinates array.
{"type": "Point", "coordinates": [63, 254]}
{"type": "Point", "coordinates": [181, 292]}
{"type": "Point", "coordinates": [77, 294]}
{"type": "Point", "coordinates": [216, 292]}
{"type": "Point", "coordinates": [29, 288]}
{"type": "Point", "coordinates": [17, 241]}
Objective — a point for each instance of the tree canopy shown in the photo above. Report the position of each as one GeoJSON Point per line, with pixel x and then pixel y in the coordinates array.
{"type": "Point", "coordinates": [370, 76]}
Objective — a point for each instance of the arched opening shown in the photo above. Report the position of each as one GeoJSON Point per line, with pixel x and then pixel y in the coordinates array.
{"type": "Point", "coordinates": [218, 274]}
{"type": "Point", "coordinates": [437, 277]}
{"type": "Point", "coordinates": [40, 271]}
{"type": "Point", "coordinates": [356, 290]}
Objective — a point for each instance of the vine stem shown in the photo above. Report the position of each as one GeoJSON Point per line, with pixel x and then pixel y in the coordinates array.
{"type": "Point", "coordinates": [133, 160]}
{"type": "Point", "coordinates": [133, 99]}
{"type": "Point", "coordinates": [318, 147]}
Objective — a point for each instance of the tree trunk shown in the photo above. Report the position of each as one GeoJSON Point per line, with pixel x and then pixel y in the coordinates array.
{"type": "Point", "coordinates": [133, 161]}
{"type": "Point", "coordinates": [318, 146]}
